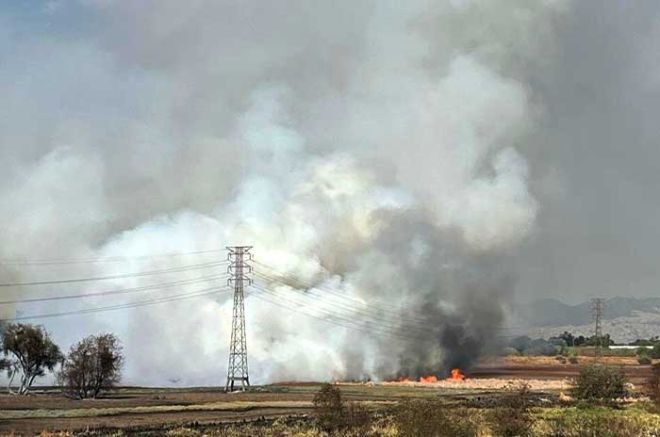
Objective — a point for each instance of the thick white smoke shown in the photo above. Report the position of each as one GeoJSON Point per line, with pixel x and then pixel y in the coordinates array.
{"type": "Point", "coordinates": [368, 149]}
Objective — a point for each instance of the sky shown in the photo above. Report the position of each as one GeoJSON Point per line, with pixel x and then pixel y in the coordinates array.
{"type": "Point", "coordinates": [596, 159]}
{"type": "Point", "coordinates": [444, 158]}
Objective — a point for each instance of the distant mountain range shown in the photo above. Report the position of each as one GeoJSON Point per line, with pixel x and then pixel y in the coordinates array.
{"type": "Point", "coordinates": [552, 312]}
{"type": "Point", "coordinates": [625, 318]}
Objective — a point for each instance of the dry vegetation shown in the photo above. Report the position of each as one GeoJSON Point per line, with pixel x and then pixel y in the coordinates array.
{"type": "Point", "coordinates": [406, 410]}
{"type": "Point", "coordinates": [428, 418]}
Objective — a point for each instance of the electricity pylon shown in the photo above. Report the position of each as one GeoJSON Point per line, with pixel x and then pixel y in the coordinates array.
{"type": "Point", "coordinates": [238, 270]}
{"type": "Point", "coordinates": [597, 307]}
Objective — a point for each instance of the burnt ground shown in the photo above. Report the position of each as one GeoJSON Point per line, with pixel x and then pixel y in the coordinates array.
{"type": "Point", "coordinates": [636, 374]}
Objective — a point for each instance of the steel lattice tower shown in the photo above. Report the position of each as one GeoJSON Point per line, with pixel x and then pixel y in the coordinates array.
{"type": "Point", "coordinates": [238, 270]}
{"type": "Point", "coordinates": [597, 308]}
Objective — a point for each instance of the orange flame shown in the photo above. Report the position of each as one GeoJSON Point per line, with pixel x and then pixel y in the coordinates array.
{"type": "Point", "coordinates": [428, 379]}
{"type": "Point", "coordinates": [457, 375]}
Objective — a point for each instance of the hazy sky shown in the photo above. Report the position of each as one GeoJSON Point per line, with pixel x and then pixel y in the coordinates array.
{"type": "Point", "coordinates": [595, 156]}
{"type": "Point", "coordinates": [432, 154]}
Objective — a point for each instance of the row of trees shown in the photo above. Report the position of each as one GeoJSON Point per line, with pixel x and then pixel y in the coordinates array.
{"type": "Point", "coordinates": [556, 345]}
{"type": "Point", "coordinates": [580, 340]}
{"type": "Point", "coordinates": [91, 366]}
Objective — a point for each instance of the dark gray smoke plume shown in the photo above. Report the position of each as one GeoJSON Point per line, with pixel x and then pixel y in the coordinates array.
{"type": "Point", "coordinates": [383, 158]}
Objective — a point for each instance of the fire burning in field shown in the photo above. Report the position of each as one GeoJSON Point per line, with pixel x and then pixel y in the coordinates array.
{"type": "Point", "coordinates": [457, 375]}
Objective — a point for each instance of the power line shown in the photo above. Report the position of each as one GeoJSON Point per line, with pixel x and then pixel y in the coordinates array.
{"type": "Point", "coordinates": [65, 261]}
{"type": "Point", "coordinates": [381, 307]}
{"type": "Point", "coordinates": [323, 319]}
{"type": "Point", "coordinates": [345, 301]}
{"type": "Point", "coordinates": [374, 319]}
{"type": "Point", "coordinates": [343, 322]}
{"type": "Point", "coordinates": [337, 319]}
{"type": "Point", "coordinates": [112, 292]}
{"type": "Point", "coordinates": [282, 280]}
{"type": "Point", "coordinates": [120, 276]}
{"type": "Point", "coordinates": [345, 308]}
{"type": "Point", "coordinates": [199, 293]}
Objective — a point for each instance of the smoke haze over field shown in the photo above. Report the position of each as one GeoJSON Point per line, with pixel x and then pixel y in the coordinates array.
{"type": "Point", "coordinates": [438, 159]}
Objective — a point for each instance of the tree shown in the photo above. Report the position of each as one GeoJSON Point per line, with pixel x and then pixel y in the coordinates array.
{"type": "Point", "coordinates": [597, 382]}
{"type": "Point", "coordinates": [329, 408]}
{"type": "Point", "coordinates": [6, 365]}
{"type": "Point", "coordinates": [333, 414]}
{"type": "Point", "coordinates": [579, 340]}
{"type": "Point", "coordinates": [520, 343]}
{"type": "Point", "coordinates": [568, 338]}
{"type": "Point", "coordinates": [31, 352]}
{"type": "Point", "coordinates": [539, 346]}
{"type": "Point", "coordinates": [92, 366]}
{"type": "Point", "coordinates": [645, 342]}
{"type": "Point", "coordinates": [603, 341]}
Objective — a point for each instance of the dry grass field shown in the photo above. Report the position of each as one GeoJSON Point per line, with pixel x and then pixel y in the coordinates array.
{"type": "Point", "coordinates": [133, 409]}
{"type": "Point", "coordinates": [148, 411]}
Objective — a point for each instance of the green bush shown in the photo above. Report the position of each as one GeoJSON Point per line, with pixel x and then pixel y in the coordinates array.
{"type": "Point", "coordinates": [512, 417]}
{"type": "Point", "coordinates": [597, 382]}
{"type": "Point", "coordinates": [534, 347]}
{"type": "Point", "coordinates": [329, 408]}
{"type": "Point", "coordinates": [644, 359]}
{"type": "Point", "coordinates": [332, 414]}
{"type": "Point", "coordinates": [422, 418]}
{"type": "Point", "coordinates": [655, 352]}
{"type": "Point", "coordinates": [510, 352]}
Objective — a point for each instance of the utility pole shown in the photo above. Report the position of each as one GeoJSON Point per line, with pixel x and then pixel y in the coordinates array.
{"type": "Point", "coordinates": [238, 270]}
{"type": "Point", "coordinates": [597, 308]}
